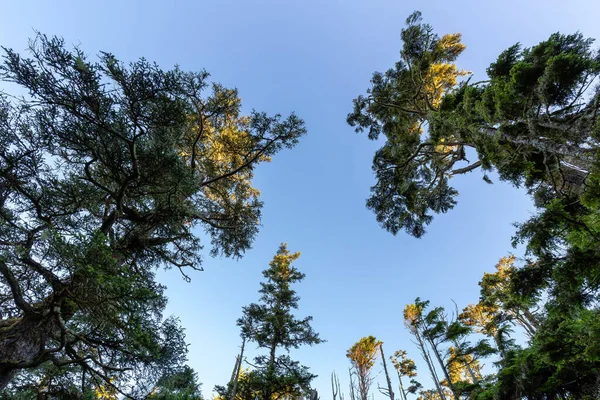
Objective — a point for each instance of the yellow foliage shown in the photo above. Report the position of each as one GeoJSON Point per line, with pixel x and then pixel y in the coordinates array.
{"type": "Point", "coordinates": [480, 317]}
{"type": "Point", "coordinates": [363, 353]}
{"type": "Point", "coordinates": [440, 78]}
{"type": "Point", "coordinates": [412, 315]}
{"type": "Point", "coordinates": [443, 75]}
{"type": "Point", "coordinates": [281, 262]}
{"type": "Point", "coordinates": [416, 128]}
{"type": "Point", "coordinates": [450, 46]}
{"type": "Point", "coordinates": [221, 148]}
{"type": "Point", "coordinates": [505, 267]}
{"type": "Point", "coordinates": [106, 391]}
{"type": "Point", "coordinates": [458, 370]}
{"type": "Point", "coordinates": [443, 149]}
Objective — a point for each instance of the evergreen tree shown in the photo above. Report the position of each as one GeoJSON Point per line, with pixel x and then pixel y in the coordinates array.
{"type": "Point", "coordinates": [178, 385]}
{"type": "Point", "coordinates": [414, 322]}
{"type": "Point", "coordinates": [106, 173]}
{"type": "Point", "coordinates": [272, 326]}
{"type": "Point", "coordinates": [534, 121]}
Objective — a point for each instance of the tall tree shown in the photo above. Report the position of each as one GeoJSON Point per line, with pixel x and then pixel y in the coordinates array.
{"type": "Point", "coordinates": [434, 327]}
{"type": "Point", "coordinates": [497, 294]}
{"type": "Point", "coordinates": [362, 357]}
{"type": "Point", "coordinates": [413, 321]}
{"type": "Point", "coordinates": [412, 169]}
{"type": "Point", "coordinates": [389, 391]}
{"type": "Point", "coordinates": [106, 170]}
{"type": "Point", "coordinates": [405, 367]}
{"type": "Point", "coordinates": [272, 326]}
{"type": "Point", "coordinates": [463, 357]}
{"type": "Point", "coordinates": [533, 121]}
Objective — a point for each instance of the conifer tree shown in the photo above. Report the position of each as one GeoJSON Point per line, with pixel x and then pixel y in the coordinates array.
{"type": "Point", "coordinates": [272, 326]}
{"type": "Point", "coordinates": [107, 172]}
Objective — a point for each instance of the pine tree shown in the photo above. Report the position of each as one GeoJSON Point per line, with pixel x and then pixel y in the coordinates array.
{"type": "Point", "coordinates": [272, 326]}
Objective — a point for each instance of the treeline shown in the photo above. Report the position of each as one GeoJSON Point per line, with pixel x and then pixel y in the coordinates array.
{"type": "Point", "coordinates": [454, 346]}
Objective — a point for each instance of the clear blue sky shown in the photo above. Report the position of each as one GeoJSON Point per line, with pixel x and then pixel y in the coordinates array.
{"type": "Point", "coordinates": [313, 57]}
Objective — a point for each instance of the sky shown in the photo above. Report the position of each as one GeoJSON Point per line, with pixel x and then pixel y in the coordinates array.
{"type": "Point", "coordinates": [313, 57]}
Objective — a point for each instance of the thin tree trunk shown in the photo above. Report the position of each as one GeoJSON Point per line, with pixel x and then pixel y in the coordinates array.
{"type": "Point", "coordinates": [352, 393]}
{"type": "Point", "coordinates": [402, 391]}
{"type": "Point", "coordinates": [522, 321]}
{"type": "Point", "coordinates": [237, 371]}
{"type": "Point", "coordinates": [532, 319]}
{"type": "Point", "coordinates": [268, 393]}
{"type": "Point", "coordinates": [466, 363]}
{"type": "Point", "coordinates": [443, 367]}
{"type": "Point", "coordinates": [427, 358]}
{"type": "Point", "coordinates": [387, 376]}
{"type": "Point", "coordinates": [335, 387]}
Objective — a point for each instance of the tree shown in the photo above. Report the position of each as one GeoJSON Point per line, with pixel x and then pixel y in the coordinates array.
{"type": "Point", "coordinates": [433, 394]}
{"type": "Point", "coordinates": [389, 391]}
{"type": "Point", "coordinates": [534, 121]}
{"type": "Point", "coordinates": [106, 170]}
{"type": "Point", "coordinates": [497, 296]}
{"type": "Point", "coordinates": [413, 321]}
{"type": "Point", "coordinates": [246, 387]}
{"type": "Point", "coordinates": [272, 326]}
{"type": "Point", "coordinates": [412, 173]}
{"type": "Point", "coordinates": [362, 357]}
{"type": "Point", "coordinates": [405, 367]}
{"type": "Point", "coordinates": [463, 367]}
{"type": "Point", "coordinates": [434, 329]}
{"type": "Point", "coordinates": [51, 382]}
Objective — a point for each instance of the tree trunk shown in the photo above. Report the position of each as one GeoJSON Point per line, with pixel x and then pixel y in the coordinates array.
{"type": "Point", "coordinates": [443, 367]}
{"type": "Point", "coordinates": [402, 391]}
{"type": "Point", "coordinates": [335, 387]}
{"type": "Point", "coordinates": [21, 345]}
{"type": "Point", "coordinates": [387, 376]}
{"type": "Point", "coordinates": [427, 358]}
{"type": "Point", "coordinates": [473, 376]}
{"type": "Point", "coordinates": [352, 393]}
{"type": "Point", "coordinates": [237, 371]}
{"type": "Point", "coordinates": [268, 392]}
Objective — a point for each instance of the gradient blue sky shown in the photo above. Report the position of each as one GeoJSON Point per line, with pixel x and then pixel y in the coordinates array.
{"type": "Point", "coordinates": [313, 57]}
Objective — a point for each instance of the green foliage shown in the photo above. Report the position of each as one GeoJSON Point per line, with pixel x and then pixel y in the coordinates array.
{"type": "Point", "coordinates": [178, 385]}
{"type": "Point", "coordinates": [533, 122]}
{"type": "Point", "coordinates": [272, 326]}
{"type": "Point", "coordinates": [106, 172]}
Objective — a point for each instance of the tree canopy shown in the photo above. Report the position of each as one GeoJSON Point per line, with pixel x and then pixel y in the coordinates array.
{"type": "Point", "coordinates": [533, 121]}
{"type": "Point", "coordinates": [107, 171]}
